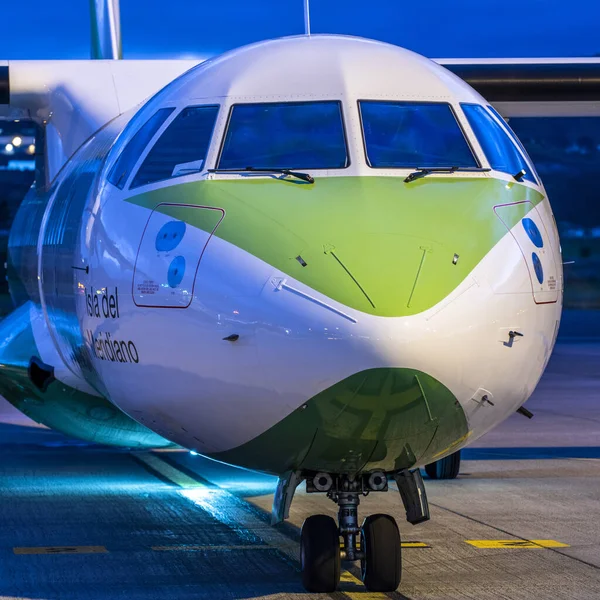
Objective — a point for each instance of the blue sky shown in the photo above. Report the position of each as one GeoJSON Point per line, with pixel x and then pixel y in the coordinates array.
{"type": "Point", "coordinates": [436, 28]}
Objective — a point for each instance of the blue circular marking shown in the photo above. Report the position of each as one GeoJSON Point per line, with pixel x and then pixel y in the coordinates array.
{"type": "Point", "coordinates": [169, 236]}
{"type": "Point", "coordinates": [537, 265]}
{"type": "Point", "coordinates": [176, 271]}
{"type": "Point", "coordinates": [533, 232]}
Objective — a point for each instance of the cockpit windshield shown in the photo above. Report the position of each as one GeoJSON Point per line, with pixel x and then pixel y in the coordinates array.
{"type": "Point", "coordinates": [413, 135]}
{"type": "Point", "coordinates": [285, 135]}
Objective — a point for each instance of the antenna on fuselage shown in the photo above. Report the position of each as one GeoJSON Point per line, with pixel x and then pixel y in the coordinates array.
{"type": "Point", "coordinates": [306, 17]}
{"type": "Point", "coordinates": [106, 29]}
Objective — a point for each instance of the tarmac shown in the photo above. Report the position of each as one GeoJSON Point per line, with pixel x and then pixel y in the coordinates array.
{"type": "Point", "coordinates": [522, 521]}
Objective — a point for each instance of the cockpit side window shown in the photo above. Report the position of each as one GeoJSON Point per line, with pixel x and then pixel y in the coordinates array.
{"type": "Point", "coordinates": [181, 149]}
{"type": "Point", "coordinates": [124, 164]}
{"type": "Point", "coordinates": [285, 135]}
{"type": "Point", "coordinates": [502, 149]}
{"type": "Point", "coordinates": [516, 140]}
{"type": "Point", "coordinates": [412, 135]}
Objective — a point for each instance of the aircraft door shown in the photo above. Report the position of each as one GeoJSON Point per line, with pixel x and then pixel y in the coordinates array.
{"type": "Point", "coordinates": [533, 240]}
{"type": "Point", "coordinates": [169, 254]}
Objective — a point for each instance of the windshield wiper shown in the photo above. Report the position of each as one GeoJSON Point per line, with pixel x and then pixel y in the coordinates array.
{"type": "Point", "coordinates": [304, 176]}
{"type": "Point", "coordinates": [424, 171]}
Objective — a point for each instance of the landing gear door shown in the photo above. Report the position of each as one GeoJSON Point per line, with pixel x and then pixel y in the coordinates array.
{"type": "Point", "coordinates": [534, 243]}
{"type": "Point", "coordinates": [169, 254]}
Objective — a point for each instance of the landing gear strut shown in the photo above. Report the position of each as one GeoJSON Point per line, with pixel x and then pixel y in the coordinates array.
{"type": "Point", "coordinates": [348, 521]}
{"type": "Point", "coordinates": [376, 544]}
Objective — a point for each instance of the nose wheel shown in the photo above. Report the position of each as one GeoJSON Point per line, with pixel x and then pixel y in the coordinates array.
{"type": "Point", "coordinates": [376, 544]}
{"type": "Point", "coordinates": [320, 554]}
{"type": "Point", "coordinates": [381, 565]}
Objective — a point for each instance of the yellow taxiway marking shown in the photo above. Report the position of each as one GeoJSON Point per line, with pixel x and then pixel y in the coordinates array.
{"type": "Point", "coordinates": [415, 545]}
{"type": "Point", "coordinates": [516, 544]}
{"type": "Point", "coordinates": [347, 577]}
{"type": "Point", "coordinates": [171, 473]}
{"type": "Point", "coordinates": [62, 550]}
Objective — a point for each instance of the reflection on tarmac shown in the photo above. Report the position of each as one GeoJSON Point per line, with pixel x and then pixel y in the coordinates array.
{"type": "Point", "coordinates": [88, 522]}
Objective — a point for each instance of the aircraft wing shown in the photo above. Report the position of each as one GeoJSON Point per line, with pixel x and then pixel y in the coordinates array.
{"type": "Point", "coordinates": [534, 87]}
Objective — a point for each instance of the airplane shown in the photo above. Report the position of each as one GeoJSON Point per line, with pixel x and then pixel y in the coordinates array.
{"type": "Point", "coordinates": [322, 257]}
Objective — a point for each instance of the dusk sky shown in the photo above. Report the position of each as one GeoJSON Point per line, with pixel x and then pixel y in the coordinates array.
{"type": "Point", "coordinates": [436, 28]}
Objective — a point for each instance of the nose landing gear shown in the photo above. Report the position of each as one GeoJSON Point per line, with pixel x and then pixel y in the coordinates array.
{"type": "Point", "coordinates": [376, 544]}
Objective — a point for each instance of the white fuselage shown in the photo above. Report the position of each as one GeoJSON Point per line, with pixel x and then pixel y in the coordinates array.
{"type": "Point", "coordinates": [158, 351]}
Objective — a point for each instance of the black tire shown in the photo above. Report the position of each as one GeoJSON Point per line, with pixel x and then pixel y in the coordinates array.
{"type": "Point", "coordinates": [382, 564]}
{"type": "Point", "coordinates": [445, 468]}
{"type": "Point", "coordinates": [320, 554]}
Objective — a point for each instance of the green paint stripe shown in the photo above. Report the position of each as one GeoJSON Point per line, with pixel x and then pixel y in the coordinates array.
{"type": "Point", "coordinates": [387, 418]}
{"type": "Point", "coordinates": [395, 241]}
